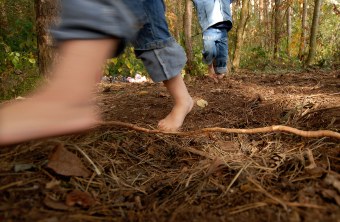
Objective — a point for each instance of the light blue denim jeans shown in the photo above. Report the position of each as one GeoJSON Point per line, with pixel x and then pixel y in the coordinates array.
{"type": "Point", "coordinates": [215, 48]}
{"type": "Point", "coordinates": [140, 22]}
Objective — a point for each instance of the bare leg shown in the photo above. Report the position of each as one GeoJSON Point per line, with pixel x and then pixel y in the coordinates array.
{"type": "Point", "coordinates": [183, 104]}
{"type": "Point", "coordinates": [64, 104]}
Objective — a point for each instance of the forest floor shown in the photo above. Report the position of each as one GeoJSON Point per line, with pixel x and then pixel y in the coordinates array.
{"type": "Point", "coordinates": [124, 174]}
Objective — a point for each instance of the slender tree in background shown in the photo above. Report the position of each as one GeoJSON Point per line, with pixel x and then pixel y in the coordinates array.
{"type": "Point", "coordinates": [47, 12]}
{"type": "Point", "coordinates": [277, 27]}
{"type": "Point", "coordinates": [262, 25]}
{"type": "Point", "coordinates": [314, 30]}
{"type": "Point", "coordinates": [303, 31]}
{"type": "Point", "coordinates": [187, 33]}
{"type": "Point", "coordinates": [266, 20]}
{"type": "Point", "coordinates": [239, 33]}
{"type": "Point", "coordinates": [3, 16]}
{"type": "Point", "coordinates": [289, 29]}
{"type": "Point", "coordinates": [178, 20]}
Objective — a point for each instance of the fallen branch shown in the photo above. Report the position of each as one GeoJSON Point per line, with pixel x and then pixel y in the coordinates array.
{"type": "Point", "coordinates": [268, 129]}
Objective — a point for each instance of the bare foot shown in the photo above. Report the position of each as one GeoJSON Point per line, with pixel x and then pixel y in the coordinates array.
{"type": "Point", "coordinates": [42, 118]}
{"type": "Point", "coordinates": [212, 74]}
{"type": "Point", "coordinates": [174, 120]}
{"type": "Point", "coordinates": [220, 76]}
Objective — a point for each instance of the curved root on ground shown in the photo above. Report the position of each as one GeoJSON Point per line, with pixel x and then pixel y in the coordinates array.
{"type": "Point", "coordinates": [268, 129]}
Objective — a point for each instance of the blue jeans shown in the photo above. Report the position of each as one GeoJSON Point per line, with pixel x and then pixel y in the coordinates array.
{"type": "Point", "coordinates": [215, 48]}
{"type": "Point", "coordinates": [140, 22]}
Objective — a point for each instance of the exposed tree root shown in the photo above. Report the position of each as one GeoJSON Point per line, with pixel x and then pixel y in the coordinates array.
{"type": "Point", "coordinates": [268, 129]}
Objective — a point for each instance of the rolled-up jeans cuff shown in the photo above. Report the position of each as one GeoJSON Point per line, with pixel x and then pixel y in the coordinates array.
{"type": "Point", "coordinates": [165, 63]}
{"type": "Point", "coordinates": [220, 70]}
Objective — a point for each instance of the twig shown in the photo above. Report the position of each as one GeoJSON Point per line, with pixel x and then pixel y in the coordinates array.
{"type": "Point", "coordinates": [98, 172]}
{"type": "Point", "coordinates": [268, 129]}
{"type": "Point", "coordinates": [236, 176]}
{"type": "Point", "coordinates": [197, 152]}
{"type": "Point", "coordinates": [310, 156]}
{"type": "Point", "coordinates": [309, 111]}
{"type": "Point", "coordinates": [246, 207]}
{"type": "Point", "coordinates": [17, 183]}
{"type": "Point", "coordinates": [306, 205]}
{"type": "Point", "coordinates": [276, 199]}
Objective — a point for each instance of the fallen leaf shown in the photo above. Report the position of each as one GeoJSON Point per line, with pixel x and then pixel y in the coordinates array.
{"type": "Point", "coordinates": [328, 194]}
{"type": "Point", "coordinates": [337, 199]}
{"type": "Point", "coordinates": [294, 216]}
{"type": "Point", "coordinates": [161, 94]}
{"type": "Point", "coordinates": [80, 198]}
{"type": "Point", "coordinates": [52, 219]}
{"type": "Point", "coordinates": [55, 205]}
{"type": "Point", "coordinates": [138, 202]}
{"type": "Point", "coordinates": [229, 146]}
{"type": "Point", "coordinates": [52, 184]}
{"type": "Point", "coordinates": [314, 171]}
{"type": "Point", "coordinates": [106, 89]}
{"type": "Point", "coordinates": [66, 163]}
{"type": "Point", "coordinates": [151, 150]}
{"type": "Point", "coordinates": [23, 167]}
{"type": "Point", "coordinates": [20, 98]}
{"type": "Point", "coordinates": [331, 194]}
{"type": "Point", "coordinates": [143, 93]}
{"type": "Point", "coordinates": [215, 165]}
{"type": "Point", "coordinates": [333, 180]}
{"type": "Point", "coordinates": [202, 103]}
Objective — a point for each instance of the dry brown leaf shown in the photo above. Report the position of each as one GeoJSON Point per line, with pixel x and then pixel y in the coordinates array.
{"type": "Point", "coordinates": [228, 146]}
{"type": "Point", "coordinates": [80, 198]}
{"type": "Point", "coordinates": [151, 150]}
{"type": "Point", "coordinates": [215, 165]}
{"type": "Point", "coordinates": [162, 94]}
{"type": "Point", "coordinates": [142, 93]}
{"type": "Point", "coordinates": [66, 163]}
{"type": "Point", "coordinates": [52, 219]}
{"type": "Point", "coordinates": [334, 181]}
{"type": "Point", "coordinates": [52, 184]}
{"type": "Point", "coordinates": [246, 187]}
{"type": "Point", "coordinates": [55, 205]}
{"type": "Point", "coordinates": [337, 199]}
{"type": "Point", "coordinates": [328, 194]}
{"type": "Point", "coordinates": [331, 194]}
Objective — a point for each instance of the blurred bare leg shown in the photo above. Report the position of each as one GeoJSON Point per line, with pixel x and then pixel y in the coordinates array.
{"type": "Point", "coordinates": [64, 105]}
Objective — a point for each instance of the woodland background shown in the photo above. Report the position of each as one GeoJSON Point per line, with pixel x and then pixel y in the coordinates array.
{"type": "Point", "coordinates": [284, 63]}
{"type": "Point", "coordinates": [267, 35]}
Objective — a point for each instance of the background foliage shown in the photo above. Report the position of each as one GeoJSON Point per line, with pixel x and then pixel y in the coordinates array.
{"type": "Point", "coordinates": [18, 47]}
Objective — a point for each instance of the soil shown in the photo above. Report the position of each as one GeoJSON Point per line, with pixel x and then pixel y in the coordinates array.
{"type": "Point", "coordinates": [213, 176]}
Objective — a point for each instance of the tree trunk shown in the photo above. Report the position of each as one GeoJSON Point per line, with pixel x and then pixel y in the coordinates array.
{"type": "Point", "coordinates": [179, 20]}
{"type": "Point", "coordinates": [3, 16]}
{"type": "Point", "coordinates": [47, 12]}
{"type": "Point", "coordinates": [261, 23]}
{"type": "Point", "coordinates": [239, 33]}
{"type": "Point", "coordinates": [266, 20]}
{"type": "Point", "coordinates": [303, 31]}
{"type": "Point", "coordinates": [272, 24]}
{"type": "Point", "coordinates": [314, 30]}
{"type": "Point", "coordinates": [187, 32]}
{"type": "Point", "coordinates": [277, 28]}
{"type": "Point", "coordinates": [289, 30]}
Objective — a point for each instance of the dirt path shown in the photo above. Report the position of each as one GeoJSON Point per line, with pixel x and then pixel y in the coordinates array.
{"type": "Point", "coordinates": [211, 177]}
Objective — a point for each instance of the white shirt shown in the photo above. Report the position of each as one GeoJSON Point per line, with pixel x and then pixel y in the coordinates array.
{"type": "Point", "coordinates": [217, 14]}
